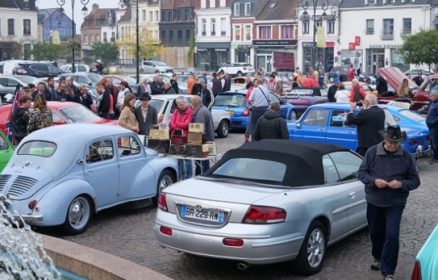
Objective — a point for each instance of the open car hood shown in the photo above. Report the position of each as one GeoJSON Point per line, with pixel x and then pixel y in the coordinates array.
{"type": "Point", "coordinates": [394, 77]}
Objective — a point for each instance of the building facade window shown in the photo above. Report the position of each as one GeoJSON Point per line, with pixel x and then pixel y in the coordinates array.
{"type": "Point", "coordinates": [11, 26]}
{"type": "Point", "coordinates": [237, 31]}
{"type": "Point", "coordinates": [157, 16]}
{"type": "Point", "coordinates": [203, 27]}
{"type": "Point", "coordinates": [188, 34]}
{"type": "Point", "coordinates": [179, 36]}
{"type": "Point", "coordinates": [318, 23]}
{"type": "Point", "coordinates": [264, 32]}
{"type": "Point", "coordinates": [248, 31]}
{"type": "Point", "coordinates": [213, 27]}
{"type": "Point", "coordinates": [236, 9]}
{"type": "Point", "coordinates": [163, 36]}
{"type": "Point", "coordinates": [286, 32]}
{"type": "Point", "coordinates": [331, 27]}
{"type": "Point", "coordinates": [223, 26]}
{"type": "Point", "coordinates": [143, 15]}
{"type": "Point", "coordinates": [407, 25]}
{"type": "Point", "coordinates": [222, 3]}
{"type": "Point", "coordinates": [388, 29]}
{"type": "Point", "coordinates": [306, 27]}
{"type": "Point", "coordinates": [26, 27]}
{"type": "Point", "coordinates": [370, 26]}
{"type": "Point", "coordinates": [170, 35]}
{"type": "Point", "coordinates": [186, 14]}
{"type": "Point", "coordinates": [203, 4]}
{"type": "Point", "coordinates": [212, 3]}
{"type": "Point", "coordinates": [151, 16]}
{"type": "Point", "coordinates": [105, 37]}
{"type": "Point", "coordinates": [247, 9]}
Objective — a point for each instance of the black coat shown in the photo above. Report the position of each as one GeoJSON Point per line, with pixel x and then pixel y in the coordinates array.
{"type": "Point", "coordinates": [19, 120]}
{"type": "Point", "coordinates": [271, 126]}
{"type": "Point", "coordinates": [86, 100]}
{"type": "Point", "coordinates": [331, 93]}
{"type": "Point", "coordinates": [146, 124]}
{"type": "Point", "coordinates": [104, 105]}
{"type": "Point", "coordinates": [227, 84]}
{"type": "Point", "coordinates": [157, 88]}
{"type": "Point", "coordinates": [369, 122]}
{"type": "Point", "coordinates": [216, 87]}
{"type": "Point", "coordinates": [174, 84]}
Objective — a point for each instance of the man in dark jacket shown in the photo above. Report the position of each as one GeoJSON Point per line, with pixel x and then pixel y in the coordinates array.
{"type": "Point", "coordinates": [271, 125]}
{"type": "Point", "coordinates": [332, 91]}
{"type": "Point", "coordinates": [168, 89]}
{"type": "Point", "coordinates": [143, 88]}
{"type": "Point", "coordinates": [381, 86]}
{"type": "Point", "coordinates": [174, 83]}
{"type": "Point", "coordinates": [389, 173]}
{"type": "Point", "coordinates": [20, 119]}
{"type": "Point", "coordinates": [227, 82]}
{"type": "Point", "coordinates": [205, 93]}
{"type": "Point", "coordinates": [216, 85]}
{"type": "Point", "coordinates": [157, 85]}
{"type": "Point", "coordinates": [146, 115]}
{"type": "Point", "coordinates": [432, 123]}
{"type": "Point", "coordinates": [369, 122]}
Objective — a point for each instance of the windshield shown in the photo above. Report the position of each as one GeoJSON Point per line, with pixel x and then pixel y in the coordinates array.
{"type": "Point", "coordinates": [159, 63]}
{"type": "Point", "coordinates": [27, 79]}
{"type": "Point", "coordinates": [78, 114]}
{"type": "Point", "coordinates": [300, 91]}
{"type": "Point", "coordinates": [230, 100]}
{"type": "Point", "coordinates": [412, 115]}
{"type": "Point", "coordinates": [252, 169]}
{"type": "Point", "coordinates": [94, 77]}
{"type": "Point", "coordinates": [157, 104]}
{"type": "Point", "coordinates": [37, 148]}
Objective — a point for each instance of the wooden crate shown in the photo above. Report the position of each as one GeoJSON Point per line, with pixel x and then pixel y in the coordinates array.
{"type": "Point", "coordinates": [159, 134]}
{"type": "Point", "coordinates": [196, 138]}
{"type": "Point", "coordinates": [198, 151]}
{"type": "Point", "coordinates": [177, 150]}
{"type": "Point", "coordinates": [160, 146]}
{"type": "Point", "coordinates": [196, 127]}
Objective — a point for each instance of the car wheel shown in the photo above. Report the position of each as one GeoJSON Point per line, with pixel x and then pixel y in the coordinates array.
{"type": "Point", "coordinates": [239, 74]}
{"type": "Point", "coordinates": [157, 72]}
{"type": "Point", "coordinates": [78, 215]}
{"type": "Point", "coordinates": [293, 115]}
{"type": "Point", "coordinates": [166, 179]}
{"type": "Point", "coordinates": [223, 129]}
{"type": "Point", "coordinates": [312, 253]}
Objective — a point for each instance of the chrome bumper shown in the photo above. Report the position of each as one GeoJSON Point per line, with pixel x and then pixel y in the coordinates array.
{"type": "Point", "coordinates": [421, 152]}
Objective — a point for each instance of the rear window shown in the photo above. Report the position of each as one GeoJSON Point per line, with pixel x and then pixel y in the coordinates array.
{"type": "Point", "coordinates": [37, 148]}
{"type": "Point", "coordinates": [413, 116]}
{"type": "Point", "coordinates": [157, 104]}
{"type": "Point", "coordinates": [230, 100]}
{"type": "Point", "coordinates": [252, 169]}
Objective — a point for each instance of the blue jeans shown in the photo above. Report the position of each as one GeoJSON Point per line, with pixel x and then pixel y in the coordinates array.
{"type": "Point", "coordinates": [384, 226]}
{"type": "Point", "coordinates": [434, 142]}
{"type": "Point", "coordinates": [202, 166]}
{"type": "Point", "coordinates": [185, 168]}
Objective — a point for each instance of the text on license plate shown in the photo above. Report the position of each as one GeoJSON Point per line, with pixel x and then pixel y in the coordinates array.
{"type": "Point", "coordinates": [202, 214]}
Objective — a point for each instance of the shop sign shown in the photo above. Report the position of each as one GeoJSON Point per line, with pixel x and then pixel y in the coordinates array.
{"type": "Point", "coordinates": [378, 46]}
{"type": "Point", "coordinates": [274, 42]}
{"type": "Point", "coordinates": [352, 46]}
{"type": "Point", "coordinates": [357, 40]}
{"type": "Point", "coordinates": [308, 44]}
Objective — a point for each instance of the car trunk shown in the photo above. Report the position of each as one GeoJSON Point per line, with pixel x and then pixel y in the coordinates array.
{"type": "Point", "coordinates": [395, 77]}
{"type": "Point", "coordinates": [19, 187]}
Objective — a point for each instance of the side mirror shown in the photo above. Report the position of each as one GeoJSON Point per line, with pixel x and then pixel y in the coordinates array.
{"type": "Point", "coordinates": [9, 97]}
{"type": "Point", "coordinates": [298, 124]}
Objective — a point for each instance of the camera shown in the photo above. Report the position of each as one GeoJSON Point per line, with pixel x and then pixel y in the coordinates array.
{"type": "Point", "coordinates": [359, 103]}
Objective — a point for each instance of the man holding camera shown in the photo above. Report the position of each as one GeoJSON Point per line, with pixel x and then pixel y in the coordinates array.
{"type": "Point", "coordinates": [369, 120]}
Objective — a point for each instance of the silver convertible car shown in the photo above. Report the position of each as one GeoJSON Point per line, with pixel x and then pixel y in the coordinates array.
{"type": "Point", "coordinates": [266, 202]}
{"type": "Point", "coordinates": [62, 175]}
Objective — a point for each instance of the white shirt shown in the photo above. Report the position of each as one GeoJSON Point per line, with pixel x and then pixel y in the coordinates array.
{"type": "Point", "coordinates": [342, 96]}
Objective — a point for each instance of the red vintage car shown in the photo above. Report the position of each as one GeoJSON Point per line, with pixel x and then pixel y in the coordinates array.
{"type": "Point", "coordinates": [63, 113]}
{"type": "Point", "coordinates": [394, 77]}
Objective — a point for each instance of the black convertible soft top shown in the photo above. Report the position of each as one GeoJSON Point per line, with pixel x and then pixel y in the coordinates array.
{"type": "Point", "coordinates": [303, 159]}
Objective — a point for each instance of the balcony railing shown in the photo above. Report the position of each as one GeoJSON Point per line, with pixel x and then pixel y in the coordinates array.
{"type": "Point", "coordinates": [387, 36]}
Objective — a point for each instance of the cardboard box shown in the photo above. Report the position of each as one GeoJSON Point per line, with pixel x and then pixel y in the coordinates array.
{"type": "Point", "coordinates": [159, 134]}
{"type": "Point", "coordinates": [211, 148]}
{"type": "Point", "coordinates": [177, 150]}
{"type": "Point", "coordinates": [196, 138]}
{"type": "Point", "coordinates": [160, 146]}
{"type": "Point", "coordinates": [196, 127]}
{"type": "Point", "coordinates": [198, 151]}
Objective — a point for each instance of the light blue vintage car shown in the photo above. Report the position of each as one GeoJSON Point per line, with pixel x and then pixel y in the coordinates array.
{"type": "Point", "coordinates": [63, 175]}
{"type": "Point", "coordinates": [426, 262]}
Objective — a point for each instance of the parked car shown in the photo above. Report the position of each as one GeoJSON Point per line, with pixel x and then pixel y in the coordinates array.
{"type": "Point", "coordinates": [9, 83]}
{"type": "Point", "coordinates": [301, 98]}
{"type": "Point", "coordinates": [165, 105]}
{"type": "Point", "coordinates": [266, 202]}
{"type": "Point", "coordinates": [414, 72]}
{"type": "Point", "coordinates": [7, 67]}
{"type": "Point", "coordinates": [426, 262]}
{"type": "Point", "coordinates": [6, 150]}
{"type": "Point", "coordinates": [63, 113]}
{"type": "Point", "coordinates": [238, 83]}
{"type": "Point", "coordinates": [235, 104]}
{"type": "Point", "coordinates": [37, 69]}
{"type": "Point", "coordinates": [154, 66]}
{"type": "Point", "coordinates": [78, 68]}
{"type": "Point", "coordinates": [238, 69]}
{"type": "Point", "coordinates": [86, 79]}
{"type": "Point", "coordinates": [63, 175]}
{"type": "Point", "coordinates": [342, 70]}
{"type": "Point", "coordinates": [325, 123]}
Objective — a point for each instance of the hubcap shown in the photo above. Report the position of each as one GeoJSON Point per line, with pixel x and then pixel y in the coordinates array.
{"type": "Point", "coordinates": [166, 181]}
{"type": "Point", "coordinates": [79, 213]}
{"type": "Point", "coordinates": [315, 247]}
{"type": "Point", "coordinates": [225, 129]}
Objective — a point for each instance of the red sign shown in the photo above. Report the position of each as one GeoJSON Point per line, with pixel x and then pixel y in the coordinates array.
{"type": "Point", "coordinates": [357, 40]}
{"type": "Point", "coordinates": [329, 44]}
{"type": "Point", "coordinates": [351, 46]}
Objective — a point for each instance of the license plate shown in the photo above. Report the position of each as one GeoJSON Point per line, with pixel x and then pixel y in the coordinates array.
{"type": "Point", "coordinates": [202, 214]}
{"type": "Point", "coordinates": [231, 112]}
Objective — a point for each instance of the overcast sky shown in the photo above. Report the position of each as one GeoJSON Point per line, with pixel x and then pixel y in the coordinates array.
{"type": "Point", "coordinates": [44, 4]}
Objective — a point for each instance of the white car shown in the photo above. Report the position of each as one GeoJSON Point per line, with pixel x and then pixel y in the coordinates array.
{"type": "Point", "coordinates": [153, 66]}
{"type": "Point", "coordinates": [165, 105]}
{"type": "Point", "coordinates": [238, 69]}
{"type": "Point", "coordinates": [78, 67]}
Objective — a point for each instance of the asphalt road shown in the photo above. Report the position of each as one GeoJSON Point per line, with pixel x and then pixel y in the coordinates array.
{"type": "Point", "coordinates": [129, 234]}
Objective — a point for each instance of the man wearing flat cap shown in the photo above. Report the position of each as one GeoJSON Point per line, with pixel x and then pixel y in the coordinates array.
{"type": "Point", "coordinates": [146, 115]}
{"type": "Point", "coordinates": [389, 173]}
{"type": "Point", "coordinates": [432, 123]}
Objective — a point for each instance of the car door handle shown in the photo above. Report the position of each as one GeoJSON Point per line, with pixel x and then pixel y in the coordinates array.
{"type": "Point", "coordinates": [89, 172]}
{"type": "Point", "coordinates": [352, 194]}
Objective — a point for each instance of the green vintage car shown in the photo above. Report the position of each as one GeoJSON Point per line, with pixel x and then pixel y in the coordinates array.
{"type": "Point", "coordinates": [6, 150]}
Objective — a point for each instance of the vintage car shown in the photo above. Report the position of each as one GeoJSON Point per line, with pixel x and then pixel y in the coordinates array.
{"type": "Point", "coordinates": [395, 77]}
{"type": "Point", "coordinates": [6, 150]}
{"type": "Point", "coordinates": [426, 262]}
{"type": "Point", "coordinates": [234, 103]}
{"type": "Point", "coordinates": [265, 202]}
{"type": "Point", "coordinates": [325, 123]}
{"type": "Point", "coordinates": [301, 98]}
{"type": "Point", "coordinates": [62, 175]}
{"type": "Point", "coordinates": [165, 105]}
{"type": "Point", "coordinates": [63, 113]}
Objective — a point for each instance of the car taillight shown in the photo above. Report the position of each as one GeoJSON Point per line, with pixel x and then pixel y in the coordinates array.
{"type": "Point", "coordinates": [264, 215]}
{"type": "Point", "coordinates": [166, 231]}
{"type": "Point", "coordinates": [232, 242]}
{"type": "Point", "coordinates": [162, 203]}
{"type": "Point", "coordinates": [160, 118]}
{"type": "Point", "coordinates": [416, 272]}
{"type": "Point", "coordinates": [32, 204]}
{"type": "Point", "coordinates": [413, 142]}
{"type": "Point", "coordinates": [245, 112]}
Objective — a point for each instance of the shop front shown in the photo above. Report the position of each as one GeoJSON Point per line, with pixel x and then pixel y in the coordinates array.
{"type": "Point", "coordinates": [324, 57]}
{"type": "Point", "coordinates": [210, 56]}
{"type": "Point", "coordinates": [275, 55]}
{"type": "Point", "coordinates": [241, 53]}
{"type": "Point", "coordinates": [379, 55]}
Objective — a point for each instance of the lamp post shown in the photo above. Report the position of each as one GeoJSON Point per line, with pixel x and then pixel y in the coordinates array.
{"type": "Point", "coordinates": [137, 37]}
{"type": "Point", "coordinates": [61, 3]}
{"type": "Point", "coordinates": [305, 16]}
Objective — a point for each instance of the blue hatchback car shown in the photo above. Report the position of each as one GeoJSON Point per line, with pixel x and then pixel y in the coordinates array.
{"type": "Point", "coordinates": [325, 123]}
{"type": "Point", "coordinates": [234, 102]}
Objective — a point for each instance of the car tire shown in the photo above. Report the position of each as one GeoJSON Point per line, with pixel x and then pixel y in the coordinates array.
{"type": "Point", "coordinates": [78, 216]}
{"type": "Point", "coordinates": [165, 179]}
{"type": "Point", "coordinates": [157, 72]}
{"type": "Point", "coordinates": [313, 250]}
{"type": "Point", "coordinates": [223, 129]}
{"type": "Point", "coordinates": [293, 115]}
{"type": "Point", "coordinates": [239, 74]}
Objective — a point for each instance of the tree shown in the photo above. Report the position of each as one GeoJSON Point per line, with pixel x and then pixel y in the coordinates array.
{"type": "Point", "coordinates": [107, 52]}
{"type": "Point", "coordinates": [46, 51]}
{"type": "Point", "coordinates": [148, 48]}
{"type": "Point", "coordinates": [421, 47]}
{"type": "Point", "coordinates": [191, 51]}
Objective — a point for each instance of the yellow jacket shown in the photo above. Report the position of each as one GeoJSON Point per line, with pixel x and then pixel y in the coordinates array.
{"type": "Point", "coordinates": [128, 120]}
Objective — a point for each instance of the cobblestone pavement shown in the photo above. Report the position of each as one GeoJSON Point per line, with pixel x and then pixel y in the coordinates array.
{"type": "Point", "coordinates": [128, 234]}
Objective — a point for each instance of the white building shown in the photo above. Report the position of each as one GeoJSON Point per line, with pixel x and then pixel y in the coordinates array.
{"type": "Point", "coordinates": [18, 24]}
{"type": "Point", "coordinates": [371, 30]}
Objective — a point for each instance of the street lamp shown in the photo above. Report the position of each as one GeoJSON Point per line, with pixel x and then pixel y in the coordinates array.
{"type": "Point", "coordinates": [137, 36]}
{"type": "Point", "coordinates": [61, 3]}
{"type": "Point", "coordinates": [305, 17]}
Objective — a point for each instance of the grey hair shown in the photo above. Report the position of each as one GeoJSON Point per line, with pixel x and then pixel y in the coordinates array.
{"type": "Point", "coordinates": [181, 99]}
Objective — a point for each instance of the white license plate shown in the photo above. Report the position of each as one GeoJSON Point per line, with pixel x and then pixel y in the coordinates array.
{"type": "Point", "coordinates": [202, 214]}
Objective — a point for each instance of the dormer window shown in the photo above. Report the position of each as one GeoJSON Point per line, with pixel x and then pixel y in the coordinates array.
{"type": "Point", "coordinates": [26, 4]}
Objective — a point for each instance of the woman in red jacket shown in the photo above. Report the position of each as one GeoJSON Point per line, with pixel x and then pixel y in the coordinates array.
{"type": "Point", "coordinates": [182, 116]}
